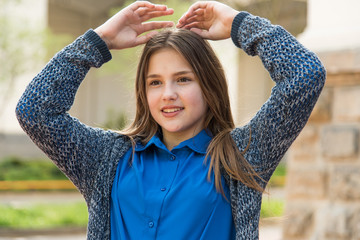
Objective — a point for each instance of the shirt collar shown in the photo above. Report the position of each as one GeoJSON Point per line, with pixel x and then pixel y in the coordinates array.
{"type": "Point", "coordinates": [155, 140]}
{"type": "Point", "coordinates": [198, 144]}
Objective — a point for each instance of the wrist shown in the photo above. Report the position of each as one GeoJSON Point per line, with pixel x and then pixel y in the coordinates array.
{"type": "Point", "coordinates": [238, 19]}
{"type": "Point", "coordinates": [103, 37]}
{"type": "Point", "coordinates": [94, 38]}
{"type": "Point", "coordinates": [230, 20]}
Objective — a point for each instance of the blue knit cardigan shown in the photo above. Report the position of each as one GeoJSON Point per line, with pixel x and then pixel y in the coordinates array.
{"type": "Point", "coordinates": [89, 156]}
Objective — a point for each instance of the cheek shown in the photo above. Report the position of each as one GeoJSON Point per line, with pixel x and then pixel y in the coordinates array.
{"type": "Point", "coordinates": [151, 100]}
{"type": "Point", "coordinates": [196, 98]}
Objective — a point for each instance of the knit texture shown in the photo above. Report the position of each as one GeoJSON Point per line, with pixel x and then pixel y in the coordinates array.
{"type": "Point", "coordinates": [89, 156]}
{"type": "Point", "coordinates": [235, 26]}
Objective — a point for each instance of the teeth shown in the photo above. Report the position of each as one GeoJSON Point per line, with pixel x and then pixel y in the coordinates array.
{"type": "Point", "coordinates": [171, 110]}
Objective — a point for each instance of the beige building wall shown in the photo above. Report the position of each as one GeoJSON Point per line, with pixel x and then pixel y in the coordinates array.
{"type": "Point", "coordinates": [249, 83]}
{"type": "Point", "coordinates": [323, 196]}
{"type": "Point", "coordinates": [99, 93]}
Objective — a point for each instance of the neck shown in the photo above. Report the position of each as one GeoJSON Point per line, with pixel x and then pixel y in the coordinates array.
{"type": "Point", "coordinates": [171, 139]}
{"type": "Point", "coordinates": [171, 143]}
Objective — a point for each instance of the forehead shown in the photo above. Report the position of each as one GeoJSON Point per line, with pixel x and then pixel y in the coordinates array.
{"type": "Point", "coordinates": [167, 60]}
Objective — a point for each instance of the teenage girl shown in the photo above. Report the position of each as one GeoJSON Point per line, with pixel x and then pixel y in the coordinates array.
{"type": "Point", "coordinates": [181, 170]}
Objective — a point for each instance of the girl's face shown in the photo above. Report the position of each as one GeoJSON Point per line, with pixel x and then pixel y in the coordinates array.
{"type": "Point", "coordinates": [174, 95]}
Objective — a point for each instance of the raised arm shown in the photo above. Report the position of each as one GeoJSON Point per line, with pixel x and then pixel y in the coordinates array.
{"type": "Point", "coordinates": [299, 76]}
{"type": "Point", "coordinates": [79, 150]}
{"type": "Point", "coordinates": [297, 72]}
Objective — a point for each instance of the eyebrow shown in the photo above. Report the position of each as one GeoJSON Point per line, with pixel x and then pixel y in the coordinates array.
{"type": "Point", "coordinates": [176, 74]}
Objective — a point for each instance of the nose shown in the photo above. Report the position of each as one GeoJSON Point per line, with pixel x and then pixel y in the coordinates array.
{"type": "Point", "coordinates": [169, 92]}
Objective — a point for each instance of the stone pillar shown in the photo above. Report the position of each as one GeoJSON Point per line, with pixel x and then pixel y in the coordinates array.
{"type": "Point", "coordinates": [323, 185]}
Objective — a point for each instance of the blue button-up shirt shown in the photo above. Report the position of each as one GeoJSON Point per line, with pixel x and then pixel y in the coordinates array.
{"type": "Point", "coordinates": [165, 194]}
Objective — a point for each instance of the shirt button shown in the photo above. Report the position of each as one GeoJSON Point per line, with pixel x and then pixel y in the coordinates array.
{"type": "Point", "coordinates": [172, 158]}
{"type": "Point", "coordinates": [151, 224]}
{"type": "Point", "coordinates": [163, 189]}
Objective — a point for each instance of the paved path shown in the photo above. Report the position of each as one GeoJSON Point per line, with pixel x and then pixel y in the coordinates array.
{"type": "Point", "coordinates": [266, 233]}
{"type": "Point", "coordinates": [44, 237]}
{"type": "Point", "coordinates": [23, 198]}
{"type": "Point", "coordinates": [61, 237]}
{"type": "Point", "coordinates": [269, 232]}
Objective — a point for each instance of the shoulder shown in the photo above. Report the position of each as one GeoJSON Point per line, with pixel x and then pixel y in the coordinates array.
{"type": "Point", "coordinates": [241, 136]}
{"type": "Point", "coordinates": [122, 143]}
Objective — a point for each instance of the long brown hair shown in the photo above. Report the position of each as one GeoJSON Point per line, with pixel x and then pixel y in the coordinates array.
{"type": "Point", "coordinates": [223, 152]}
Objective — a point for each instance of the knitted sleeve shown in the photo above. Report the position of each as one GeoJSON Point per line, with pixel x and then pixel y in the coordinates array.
{"type": "Point", "coordinates": [42, 112]}
{"type": "Point", "coordinates": [299, 77]}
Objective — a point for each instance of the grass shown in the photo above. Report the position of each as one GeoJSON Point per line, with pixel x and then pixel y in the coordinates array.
{"type": "Point", "coordinates": [280, 170]}
{"type": "Point", "coordinates": [15, 169]}
{"type": "Point", "coordinates": [272, 208]}
{"type": "Point", "coordinates": [43, 216]}
{"type": "Point", "coordinates": [50, 215]}
{"type": "Point", "coordinates": [278, 177]}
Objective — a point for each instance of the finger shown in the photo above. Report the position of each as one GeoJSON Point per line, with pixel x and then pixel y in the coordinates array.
{"type": "Point", "coordinates": [185, 16]}
{"type": "Point", "coordinates": [145, 10]}
{"type": "Point", "coordinates": [204, 34]}
{"type": "Point", "coordinates": [197, 25]}
{"type": "Point", "coordinates": [192, 10]}
{"type": "Point", "coordinates": [186, 19]}
{"type": "Point", "coordinates": [149, 26]}
{"type": "Point", "coordinates": [141, 4]}
{"type": "Point", "coordinates": [155, 14]}
{"type": "Point", "coordinates": [144, 38]}
{"type": "Point", "coordinates": [199, 12]}
{"type": "Point", "coordinates": [196, 6]}
{"type": "Point", "coordinates": [195, 18]}
{"type": "Point", "coordinates": [181, 22]}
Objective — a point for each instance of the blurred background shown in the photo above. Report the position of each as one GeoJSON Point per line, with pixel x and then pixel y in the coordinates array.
{"type": "Point", "coordinates": [315, 191]}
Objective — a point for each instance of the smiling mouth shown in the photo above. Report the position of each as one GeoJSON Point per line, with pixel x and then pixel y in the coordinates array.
{"type": "Point", "coordinates": [171, 110]}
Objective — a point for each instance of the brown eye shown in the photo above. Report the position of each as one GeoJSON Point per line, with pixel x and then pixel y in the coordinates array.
{"type": "Point", "coordinates": [184, 79]}
{"type": "Point", "coordinates": [154, 83]}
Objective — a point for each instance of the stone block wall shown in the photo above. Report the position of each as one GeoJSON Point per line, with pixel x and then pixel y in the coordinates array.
{"type": "Point", "coordinates": [323, 184]}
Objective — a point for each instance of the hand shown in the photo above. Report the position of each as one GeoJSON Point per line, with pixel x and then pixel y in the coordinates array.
{"type": "Point", "coordinates": [123, 30]}
{"type": "Point", "coordinates": [210, 19]}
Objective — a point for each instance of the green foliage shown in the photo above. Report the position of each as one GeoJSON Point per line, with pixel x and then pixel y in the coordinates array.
{"type": "Point", "coordinates": [115, 121]}
{"type": "Point", "coordinates": [21, 48]}
{"type": "Point", "coordinates": [42, 216]}
{"type": "Point", "coordinates": [280, 170]}
{"type": "Point", "coordinates": [272, 208]}
{"type": "Point", "coordinates": [53, 43]}
{"type": "Point", "coordinates": [15, 169]}
{"type": "Point", "coordinates": [279, 176]}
